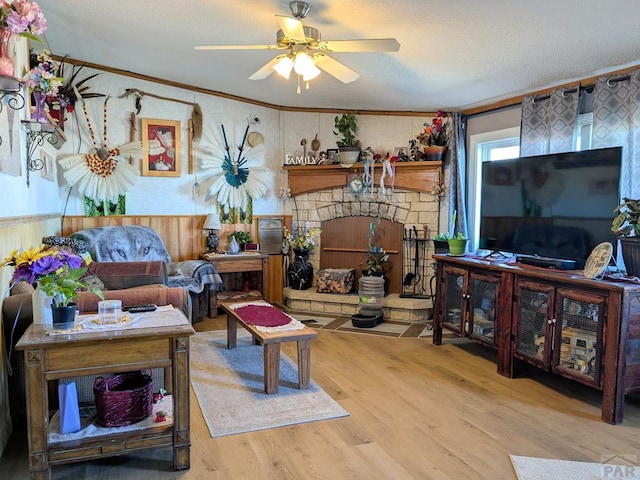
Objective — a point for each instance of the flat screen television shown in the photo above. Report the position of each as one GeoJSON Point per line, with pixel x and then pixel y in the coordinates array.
{"type": "Point", "coordinates": [558, 205]}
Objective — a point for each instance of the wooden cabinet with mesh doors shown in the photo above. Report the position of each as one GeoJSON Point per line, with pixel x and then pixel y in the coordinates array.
{"type": "Point", "coordinates": [583, 329]}
{"type": "Point", "coordinates": [468, 307]}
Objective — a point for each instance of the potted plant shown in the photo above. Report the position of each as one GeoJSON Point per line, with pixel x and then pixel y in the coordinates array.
{"type": "Point", "coordinates": [441, 242]}
{"type": "Point", "coordinates": [626, 226]}
{"type": "Point", "coordinates": [457, 245]}
{"type": "Point", "coordinates": [347, 129]}
{"type": "Point", "coordinates": [376, 265]}
{"type": "Point", "coordinates": [435, 137]}
{"type": "Point", "coordinates": [237, 240]}
{"type": "Point", "coordinates": [58, 274]}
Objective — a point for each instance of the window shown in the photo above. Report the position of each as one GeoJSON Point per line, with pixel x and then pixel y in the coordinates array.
{"type": "Point", "coordinates": [486, 147]}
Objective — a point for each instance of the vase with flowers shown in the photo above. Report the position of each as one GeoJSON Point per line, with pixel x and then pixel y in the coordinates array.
{"type": "Point", "coordinates": [43, 81]}
{"type": "Point", "coordinates": [59, 277]}
{"type": "Point", "coordinates": [435, 137]}
{"type": "Point", "coordinates": [302, 241]}
{"type": "Point", "coordinates": [23, 18]}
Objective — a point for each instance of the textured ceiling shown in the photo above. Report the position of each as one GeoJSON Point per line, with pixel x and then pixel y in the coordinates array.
{"type": "Point", "coordinates": [454, 55]}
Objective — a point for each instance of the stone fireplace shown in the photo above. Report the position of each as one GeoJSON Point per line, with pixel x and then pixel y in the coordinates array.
{"type": "Point", "coordinates": [319, 196]}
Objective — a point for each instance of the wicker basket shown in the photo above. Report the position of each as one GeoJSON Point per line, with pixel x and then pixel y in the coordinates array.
{"type": "Point", "coordinates": [123, 399]}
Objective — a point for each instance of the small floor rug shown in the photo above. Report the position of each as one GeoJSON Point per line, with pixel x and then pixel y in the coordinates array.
{"type": "Point", "coordinates": [229, 386]}
{"type": "Point", "coordinates": [388, 328]}
{"type": "Point", "coordinates": [530, 468]}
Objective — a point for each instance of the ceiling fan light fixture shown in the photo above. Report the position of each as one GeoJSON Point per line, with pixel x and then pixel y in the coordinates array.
{"type": "Point", "coordinates": [310, 74]}
{"type": "Point", "coordinates": [284, 66]}
{"type": "Point", "coordinates": [303, 64]}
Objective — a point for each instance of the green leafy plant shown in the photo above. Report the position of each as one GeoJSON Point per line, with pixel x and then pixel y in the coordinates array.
{"type": "Point", "coordinates": [240, 236]}
{"type": "Point", "coordinates": [377, 259]}
{"type": "Point", "coordinates": [627, 220]}
{"type": "Point", "coordinates": [347, 127]}
{"type": "Point", "coordinates": [442, 237]}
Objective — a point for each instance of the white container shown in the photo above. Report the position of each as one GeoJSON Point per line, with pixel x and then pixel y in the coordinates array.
{"type": "Point", "coordinates": [41, 305]}
{"type": "Point", "coordinates": [110, 311]}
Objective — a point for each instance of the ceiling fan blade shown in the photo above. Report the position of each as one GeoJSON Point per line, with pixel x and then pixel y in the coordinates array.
{"type": "Point", "coordinates": [265, 71]}
{"type": "Point", "coordinates": [292, 28]}
{"type": "Point", "coordinates": [237, 47]}
{"type": "Point", "coordinates": [365, 45]}
{"type": "Point", "coordinates": [335, 68]}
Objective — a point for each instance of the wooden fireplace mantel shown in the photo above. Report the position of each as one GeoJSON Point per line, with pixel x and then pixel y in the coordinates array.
{"type": "Point", "coordinates": [418, 176]}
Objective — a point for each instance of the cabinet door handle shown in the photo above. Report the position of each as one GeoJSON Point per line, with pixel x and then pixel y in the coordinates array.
{"type": "Point", "coordinates": [550, 321]}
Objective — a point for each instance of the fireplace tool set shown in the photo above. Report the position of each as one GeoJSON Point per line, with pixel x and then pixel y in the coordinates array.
{"type": "Point", "coordinates": [415, 263]}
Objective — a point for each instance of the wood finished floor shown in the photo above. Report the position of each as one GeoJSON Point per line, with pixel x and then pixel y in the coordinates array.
{"type": "Point", "coordinates": [417, 411]}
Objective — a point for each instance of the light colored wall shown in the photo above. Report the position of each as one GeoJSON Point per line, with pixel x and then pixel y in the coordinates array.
{"type": "Point", "coordinates": [492, 121]}
{"type": "Point", "coordinates": [17, 232]}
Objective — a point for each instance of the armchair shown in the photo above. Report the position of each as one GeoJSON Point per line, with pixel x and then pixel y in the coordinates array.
{"type": "Point", "coordinates": [135, 243]}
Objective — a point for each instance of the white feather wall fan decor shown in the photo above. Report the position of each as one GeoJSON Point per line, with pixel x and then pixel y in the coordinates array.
{"type": "Point", "coordinates": [236, 172]}
{"type": "Point", "coordinates": [102, 174]}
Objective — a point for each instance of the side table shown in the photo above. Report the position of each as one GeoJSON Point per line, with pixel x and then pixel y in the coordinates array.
{"type": "Point", "coordinates": [52, 357]}
{"type": "Point", "coordinates": [227, 264]}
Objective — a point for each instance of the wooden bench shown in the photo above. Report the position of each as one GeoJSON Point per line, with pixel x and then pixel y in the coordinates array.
{"type": "Point", "coordinates": [271, 345]}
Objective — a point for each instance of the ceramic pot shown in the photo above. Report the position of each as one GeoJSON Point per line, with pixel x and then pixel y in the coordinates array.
{"type": "Point", "coordinates": [457, 247]}
{"type": "Point", "coordinates": [349, 155]}
{"type": "Point", "coordinates": [234, 247]}
{"type": "Point", "coordinates": [63, 317]}
{"type": "Point", "coordinates": [435, 152]}
{"type": "Point", "coordinates": [300, 272]}
{"type": "Point", "coordinates": [631, 255]}
{"type": "Point", "coordinates": [441, 246]}
{"type": "Point", "coordinates": [6, 64]}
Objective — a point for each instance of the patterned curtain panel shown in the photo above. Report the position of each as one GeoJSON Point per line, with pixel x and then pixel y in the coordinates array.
{"type": "Point", "coordinates": [548, 122]}
{"type": "Point", "coordinates": [616, 122]}
{"type": "Point", "coordinates": [457, 200]}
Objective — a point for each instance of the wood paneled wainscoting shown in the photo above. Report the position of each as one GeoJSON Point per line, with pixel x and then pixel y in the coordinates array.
{"type": "Point", "coordinates": [182, 234]}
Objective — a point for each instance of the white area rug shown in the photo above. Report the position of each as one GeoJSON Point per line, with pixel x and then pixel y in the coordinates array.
{"type": "Point", "coordinates": [530, 468]}
{"type": "Point", "coordinates": [229, 385]}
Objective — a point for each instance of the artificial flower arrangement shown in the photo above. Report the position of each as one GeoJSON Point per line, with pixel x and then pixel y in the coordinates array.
{"type": "Point", "coordinates": [302, 238]}
{"type": "Point", "coordinates": [437, 133]}
{"type": "Point", "coordinates": [59, 273]}
{"type": "Point", "coordinates": [44, 76]}
{"type": "Point", "coordinates": [377, 259]}
{"type": "Point", "coordinates": [24, 18]}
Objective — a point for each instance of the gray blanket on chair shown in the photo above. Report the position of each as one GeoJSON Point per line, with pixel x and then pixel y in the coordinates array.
{"type": "Point", "coordinates": [192, 275]}
{"type": "Point", "coordinates": [135, 243]}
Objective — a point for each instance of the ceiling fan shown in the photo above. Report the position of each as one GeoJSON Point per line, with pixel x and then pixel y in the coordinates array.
{"type": "Point", "coordinates": [306, 53]}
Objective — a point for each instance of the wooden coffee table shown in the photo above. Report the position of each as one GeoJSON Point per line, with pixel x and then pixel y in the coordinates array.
{"type": "Point", "coordinates": [271, 345]}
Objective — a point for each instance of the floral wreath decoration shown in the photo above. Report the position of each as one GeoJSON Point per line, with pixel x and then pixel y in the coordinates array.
{"type": "Point", "coordinates": [103, 173]}
{"type": "Point", "coordinates": [236, 177]}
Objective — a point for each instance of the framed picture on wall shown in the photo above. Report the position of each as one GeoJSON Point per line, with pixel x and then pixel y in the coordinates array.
{"type": "Point", "coordinates": [161, 147]}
